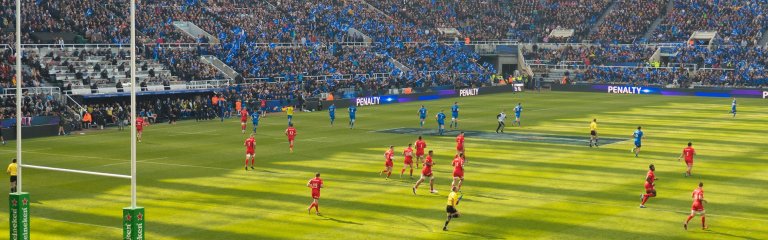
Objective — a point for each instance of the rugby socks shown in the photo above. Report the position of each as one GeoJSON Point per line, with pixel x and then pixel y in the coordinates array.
{"type": "Point", "coordinates": [447, 221]}
{"type": "Point", "coordinates": [689, 219]}
{"type": "Point", "coordinates": [703, 220]}
{"type": "Point", "coordinates": [645, 198]}
{"type": "Point", "coordinates": [411, 172]}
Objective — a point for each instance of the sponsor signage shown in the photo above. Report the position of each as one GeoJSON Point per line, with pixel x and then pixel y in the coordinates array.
{"type": "Point", "coordinates": [624, 90]}
{"type": "Point", "coordinates": [133, 223]}
{"type": "Point", "coordinates": [628, 90]}
{"type": "Point", "coordinates": [19, 216]}
{"type": "Point", "coordinates": [432, 94]}
{"type": "Point", "coordinates": [469, 92]}
{"type": "Point", "coordinates": [699, 91]}
{"type": "Point", "coordinates": [369, 101]}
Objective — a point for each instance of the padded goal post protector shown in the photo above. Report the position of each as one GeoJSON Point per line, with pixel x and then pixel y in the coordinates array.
{"type": "Point", "coordinates": [133, 223]}
{"type": "Point", "coordinates": [19, 216]}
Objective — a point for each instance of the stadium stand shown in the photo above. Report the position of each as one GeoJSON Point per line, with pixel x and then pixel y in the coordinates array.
{"type": "Point", "coordinates": [94, 68]}
{"type": "Point", "coordinates": [617, 55]}
{"type": "Point", "coordinates": [496, 20]}
{"type": "Point", "coordinates": [629, 21]}
{"type": "Point", "coordinates": [737, 22]}
{"type": "Point", "coordinates": [388, 43]}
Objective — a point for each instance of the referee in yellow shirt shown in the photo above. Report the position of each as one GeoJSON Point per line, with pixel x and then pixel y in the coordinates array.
{"type": "Point", "coordinates": [289, 112]}
{"type": "Point", "coordinates": [593, 133]}
{"type": "Point", "coordinates": [13, 170]}
{"type": "Point", "coordinates": [453, 201]}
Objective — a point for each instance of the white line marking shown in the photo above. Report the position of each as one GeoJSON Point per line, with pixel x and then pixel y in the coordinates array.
{"type": "Point", "coordinates": [317, 139]}
{"type": "Point", "coordinates": [623, 206]}
{"type": "Point", "coordinates": [112, 164]}
{"type": "Point", "coordinates": [191, 133]}
{"type": "Point", "coordinates": [189, 166]}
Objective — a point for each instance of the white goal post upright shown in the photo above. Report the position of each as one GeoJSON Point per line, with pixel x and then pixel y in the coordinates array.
{"type": "Point", "coordinates": [133, 103]}
{"type": "Point", "coordinates": [19, 81]}
{"type": "Point", "coordinates": [133, 216]}
{"type": "Point", "coordinates": [18, 201]}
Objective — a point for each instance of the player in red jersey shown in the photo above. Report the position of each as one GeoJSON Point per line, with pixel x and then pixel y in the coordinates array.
{"type": "Point", "coordinates": [140, 124]}
{"type": "Point", "coordinates": [243, 119]}
{"type": "Point", "coordinates": [420, 146]}
{"type": "Point", "coordinates": [460, 143]}
{"type": "Point", "coordinates": [697, 207]}
{"type": "Point", "coordinates": [389, 157]}
{"type": "Point", "coordinates": [315, 184]}
{"type": "Point", "coordinates": [263, 106]}
{"type": "Point", "coordinates": [291, 133]}
{"type": "Point", "coordinates": [250, 149]}
{"type": "Point", "coordinates": [650, 184]}
{"type": "Point", "coordinates": [688, 153]}
{"type": "Point", "coordinates": [408, 162]}
{"type": "Point", "coordinates": [427, 173]}
{"type": "Point", "coordinates": [458, 171]}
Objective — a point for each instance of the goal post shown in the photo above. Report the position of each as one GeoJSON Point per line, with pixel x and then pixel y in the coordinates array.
{"type": "Point", "coordinates": [19, 202]}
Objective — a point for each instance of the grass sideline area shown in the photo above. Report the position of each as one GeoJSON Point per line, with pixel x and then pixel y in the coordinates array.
{"type": "Point", "coordinates": [193, 186]}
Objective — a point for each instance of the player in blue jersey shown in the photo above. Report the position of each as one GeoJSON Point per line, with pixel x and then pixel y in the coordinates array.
{"type": "Point", "coordinates": [440, 122]}
{"type": "Point", "coordinates": [455, 115]}
{"type": "Point", "coordinates": [518, 111]}
{"type": "Point", "coordinates": [332, 113]}
{"type": "Point", "coordinates": [422, 116]}
{"type": "Point", "coordinates": [255, 115]}
{"type": "Point", "coordinates": [733, 107]}
{"type": "Point", "coordinates": [222, 108]}
{"type": "Point", "coordinates": [639, 136]}
{"type": "Point", "coordinates": [352, 111]}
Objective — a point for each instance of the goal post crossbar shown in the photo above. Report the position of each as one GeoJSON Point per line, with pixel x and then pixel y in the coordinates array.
{"type": "Point", "coordinates": [77, 171]}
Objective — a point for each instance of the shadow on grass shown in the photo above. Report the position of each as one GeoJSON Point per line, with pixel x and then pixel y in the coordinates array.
{"type": "Point", "coordinates": [326, 218]}
{"type": "Point", "coordinates": [715, 232]}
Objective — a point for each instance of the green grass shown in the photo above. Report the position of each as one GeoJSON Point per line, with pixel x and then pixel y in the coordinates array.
{"type": "Point", "coordinates": [192, 184]}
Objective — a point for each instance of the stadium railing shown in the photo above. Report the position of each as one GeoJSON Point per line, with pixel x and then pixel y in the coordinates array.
{"type": "Point", "coordinates": [306, 78]}
{"type": "Point", "coordinates": [205, 84]}
{"type": "Point", "coordinates": [485, 42]}
{"type": "Point", "coordinates": [716, 69]}
{"type": "Point", "coordinates": [85, 46]}
{"type": "Point", "coordinates": [689, 66]}
{"type": "Point", "coordinates": [358, 44]}
{"type": "Point", "coordinates": [34, 90]}
{"type": "Point", "coordinates": [183, 45]}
